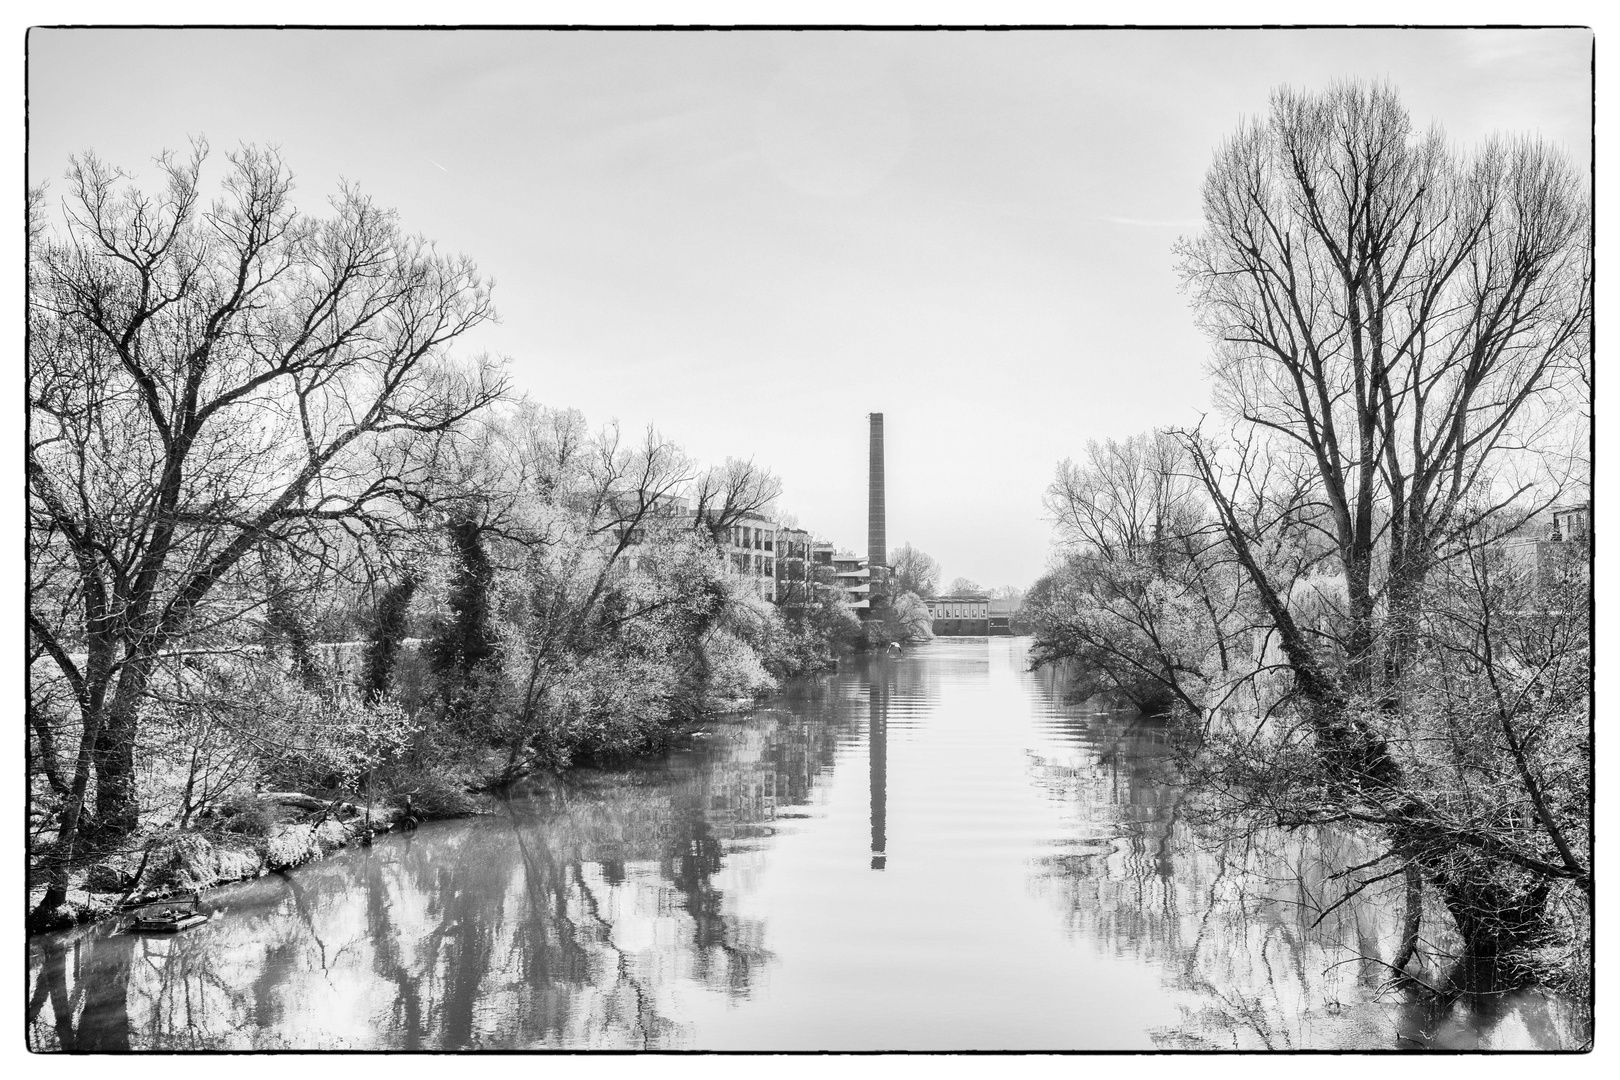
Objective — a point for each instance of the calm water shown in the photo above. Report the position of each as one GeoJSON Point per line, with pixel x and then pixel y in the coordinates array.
{"type": "Point", "coordinates": [926, 852]}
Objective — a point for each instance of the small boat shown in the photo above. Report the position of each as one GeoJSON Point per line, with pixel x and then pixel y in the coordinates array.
{"type": "Point", "coordinates": [168, 916]}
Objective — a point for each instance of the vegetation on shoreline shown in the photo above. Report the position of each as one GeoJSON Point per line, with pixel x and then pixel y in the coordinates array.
{"type": "Point", "coordinates": [1368, 604]}
{"type": "Point", "coordinates": [280, 540]}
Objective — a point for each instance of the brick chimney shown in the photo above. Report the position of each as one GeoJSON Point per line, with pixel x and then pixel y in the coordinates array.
{"type": "Point", "coordinates": [877, 539]}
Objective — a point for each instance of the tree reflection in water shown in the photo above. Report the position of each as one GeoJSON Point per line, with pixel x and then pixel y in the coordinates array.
{"type": "Point", "coordinates": [576, 916]}
{"type": "Point", "coordinates": [613, 907]}
{"type": "Point", "coordinates": [1249, 932]}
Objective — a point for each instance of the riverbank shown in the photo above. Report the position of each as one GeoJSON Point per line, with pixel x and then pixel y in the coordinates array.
{"type": "Point", "coordinates": [279, 831]}
{"type": "Point", "coordinates": [276, 831]}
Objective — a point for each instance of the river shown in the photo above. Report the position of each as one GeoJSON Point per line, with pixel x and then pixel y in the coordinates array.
{"type": "Point", "coordinates": [926, 852]}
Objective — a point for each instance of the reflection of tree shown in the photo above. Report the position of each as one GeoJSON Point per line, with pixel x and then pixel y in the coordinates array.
{"type": "Point", "coordinates": [573, 917]}
{"type": "Point", "coordinates": [94, 1016]}
{"type": "Point", "coordinates": [51, 986]}
{"type": "Point", "coordinates": [1249, 929]}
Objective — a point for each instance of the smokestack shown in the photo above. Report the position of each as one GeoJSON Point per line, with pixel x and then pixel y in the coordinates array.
{"type": "Point", "coordinates": [877, 539]}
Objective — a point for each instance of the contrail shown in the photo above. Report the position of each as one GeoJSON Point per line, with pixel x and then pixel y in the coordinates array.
{"type": "Point", "coordinates": [441, 167]}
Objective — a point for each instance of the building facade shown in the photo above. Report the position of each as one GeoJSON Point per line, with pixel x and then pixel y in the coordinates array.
{"type": "Point", "coordinates": [959, 616]}
{"type": "Point", "coordinates": [795, 566]}
{"type": "Point", "coordinates": [777, 562]}
{"type": "Point", "coordinates": [751, 550]}
{"type": "Point", "coordinates": [854, 578]}
{"type": "Point", "coordinates": [1554, 546]}
{"type": "Point", "coordinates": [1002, 615]}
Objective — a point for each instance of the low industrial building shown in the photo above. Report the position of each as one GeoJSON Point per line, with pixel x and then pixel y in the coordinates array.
{"type": "Point", "coordinates": [1003, 613]}
{"type": "Point", "coordinates": [959, 616]}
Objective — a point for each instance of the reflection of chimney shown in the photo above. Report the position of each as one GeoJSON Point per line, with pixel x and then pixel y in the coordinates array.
{"type": "Point", "coordinates": [877, 549]}
{"type": "Point", "coordinates": [877, 750]}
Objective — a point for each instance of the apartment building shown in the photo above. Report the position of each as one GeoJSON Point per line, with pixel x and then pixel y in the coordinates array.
{"type": "Point", "coordinates": [750, 547]}
{"type": "Point", "coordinates": [1553, 545]}
{"type": "Point", "coordinates": [854, 578]}
{"type": "Point", "coordinates": [795, 566]}
{"type": "Point", "coordinates": [780, 563]}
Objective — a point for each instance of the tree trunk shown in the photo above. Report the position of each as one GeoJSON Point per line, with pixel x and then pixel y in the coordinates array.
{"type": "Point", "coordinates": [57, 865]}
{"type": "Point", "coordinates": [1359, 643]}
{"type": "Point", "coordinates": [1414, 918]}
{"type": "Point", "coordinates": [49, 765]}
{"type": "Point", "coordinates": [1499, 925]}
{"type": "Point", "coordinates": [1408, 568]}
{"type": "Point", "coordinates": [117, 803]}
{"type": "Point", "coordinates": [388, 632]}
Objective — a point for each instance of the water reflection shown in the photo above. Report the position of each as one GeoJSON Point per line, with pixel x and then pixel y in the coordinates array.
{"type": "Point", "coordinates": [1253, 939]}
{"type": "Point", "coordinates": [563, 920]}
{"type": "Point", "coordinates": [878, 759]}
{"type": "Point", "coordinates": [1056, 893]}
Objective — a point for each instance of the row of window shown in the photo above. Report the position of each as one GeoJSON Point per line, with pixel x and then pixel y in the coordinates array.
{"type": "Point", "coordinates": [759, 564]}
{"type": "Point", "coordinates": [745, 536]}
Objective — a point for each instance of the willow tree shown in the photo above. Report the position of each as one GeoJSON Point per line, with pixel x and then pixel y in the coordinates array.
{"type": "Point", "coordinates": [205, 379]}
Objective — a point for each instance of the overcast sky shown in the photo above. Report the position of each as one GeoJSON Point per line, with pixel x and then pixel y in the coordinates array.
{"type": "Point", "coordinates": [754, 239]}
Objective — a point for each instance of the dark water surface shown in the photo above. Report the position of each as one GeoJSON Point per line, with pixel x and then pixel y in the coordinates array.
{"type": "Point", "coordinates": [925, 852]}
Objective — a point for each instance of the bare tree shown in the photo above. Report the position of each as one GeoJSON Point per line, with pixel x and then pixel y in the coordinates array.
{"type": "Point", "coordinates": [726, 494]}
{"type": "Point", "coordinates": [204, 380]}
{"type": "Point", "coordinates": [913, 571]}
{"type": "Point", "coordinates": [1405, 330]}
{"type": "Point", "coordinates": [1406, 317]}
{"type": "Point", "coordinates": [1142, 598]}
{"type": "Point", "coordinates": [1126, 499]}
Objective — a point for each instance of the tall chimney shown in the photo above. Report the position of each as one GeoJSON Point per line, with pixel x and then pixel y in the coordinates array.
{"type": "Point", "coordinates": [877, 546]}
